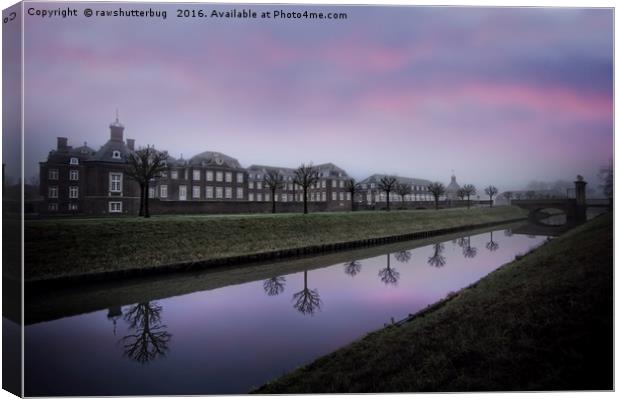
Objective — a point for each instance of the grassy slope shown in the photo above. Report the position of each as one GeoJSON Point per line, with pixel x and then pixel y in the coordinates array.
{"type": "Point", "coordinates": [75, 246]}
{"type": "Point", "coordinates": [541, 323]}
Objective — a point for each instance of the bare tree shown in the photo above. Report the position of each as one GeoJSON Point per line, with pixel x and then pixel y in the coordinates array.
{"type": "Point", "coordinates": [437, 260]}
{"type": "Point", "coordinates": [150, 338]}
{"type": "Point", "coordinates": [492, 245]}
{"type": "Point", "coordinates": [437, 189]}
{"type": "Point", "coordinates": [274, 286]}
{"type": "Point", "coordinates": [530, 194]}
{"type": "Point", "coordinates": [606, 174]}
{"type": "Point", "coordinates": [307, 301]}
{"type": "Point", "coordinates": [469, 190]}
{"type": "Point", "coordinates": [508, 195]}
{"type": "Point", "coordinates": [403, 190]}
{"type": "Point", "coordinates": [491, 191]}
{"type": "Point", "coordinates": [403, 256]}
{"type": "Point", "coordinates": [460, 193]}
{"type": "Point", "coordinates": [389, 275]}
{"type": "Point", "coordinates": [352, 188]}
{"type": "Point", "coordinates": [387, 184]}
{"type": "Point", "coordinates": [352, 268]}
{"type": "Point", "coordinates": [306, 176]}
{"type": "Point", "coordinates": [274, 181]}
{"type": "Point", "coordinates": [146, 164]}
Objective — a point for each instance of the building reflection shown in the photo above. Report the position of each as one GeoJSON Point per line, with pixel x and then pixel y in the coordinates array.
{"type": "Point", "coordinates": [307, 301]}
{"type": "Point", "coordinates": [353, 268]}
{"type": "Point", "coordinates": [437, 260]}
{"type": "Point", "coordinates": [148, 338]}
{"type": "Point", "coordinates": [389, 275]}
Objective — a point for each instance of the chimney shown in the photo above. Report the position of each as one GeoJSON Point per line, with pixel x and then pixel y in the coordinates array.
{"type": "Point", "coordinates": [130, 144]}
{"type": "Point", "coordinates": [61, 143]}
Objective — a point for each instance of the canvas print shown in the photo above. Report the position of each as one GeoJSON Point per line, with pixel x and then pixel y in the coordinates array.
{"type": "Point", "coordinates": [212, 199]}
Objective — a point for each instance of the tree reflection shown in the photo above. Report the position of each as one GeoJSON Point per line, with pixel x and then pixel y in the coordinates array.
{"type": "Point", "coordinates": [150, 339]}
{"type": "Point", "coordinates": [353, 268]}
{"type": "Point", "coordinates": [389, 275]}
{"type": "Point", "coordinates": [508, 232]}
{"type": "Point", "coordinates": [468, 250]}
{"type": "Point", "coordinates": [437, 260]}
{"type": "Point", "coordinates": [274, 285]}
{"type": "Point", "coordinates": [403, 256]}
{"type": "Point", "coordinates": [307, 301]}
{"type": "Point", "coordinates": [492, 245]}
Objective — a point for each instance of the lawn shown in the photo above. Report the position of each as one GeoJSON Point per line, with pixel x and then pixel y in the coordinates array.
{"type": "Point", "coordinates": [69, 247]}
{"type": "Point", "coordinates": [544, 322]}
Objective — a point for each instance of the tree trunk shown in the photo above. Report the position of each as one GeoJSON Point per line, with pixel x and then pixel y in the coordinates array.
{"type": "Point", "coordinates": [352, 203]}
{"type": "Point", "coordinates": [388, 200]}
{"type": "Point", "coordinates": [273, 201]}
{"type": "Point", "coordinates": [468, 202]}
{"type": "Point", "coordinates": [436, 203]}
{"type": "Point", "coordinates": [305, 200]}
{"type": "Point", "coordinates": [490, 201]}
{"type": "Point", "coordinates": [141, 211]}
{"type": "Point", "coordinates": [147, 214]}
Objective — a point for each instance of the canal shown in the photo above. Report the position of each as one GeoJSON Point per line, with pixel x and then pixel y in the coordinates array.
{"type": "Point", "coordinates": [209, 337]}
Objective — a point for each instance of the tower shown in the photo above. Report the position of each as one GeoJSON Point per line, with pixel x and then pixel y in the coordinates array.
{"type": "Point", "coordinates": [116, 130]}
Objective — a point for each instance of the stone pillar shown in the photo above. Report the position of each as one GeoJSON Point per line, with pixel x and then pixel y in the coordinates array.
{"type": "Point", "coordinates": [580, 199]}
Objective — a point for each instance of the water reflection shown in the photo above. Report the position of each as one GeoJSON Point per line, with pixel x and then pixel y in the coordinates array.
{"type": "Point", "coordinates": [353, 268]}
{"type": "Point", "coordinates": [468, 250]}
{"type": "Point", "coordinates": [307, 301]}
{"type": "Point", "coordinates": [274, 286]}
{"type": "Point", "coordinates": [492, 245]}
{"type": "Point", "coordinates": [389, 275]}
{"type": "Point", "coordinates": [403, 256]}
{"type": "Point", "coordinates": [150, 338]}
{"type": "Point", "coordinates": [437, 260]}
{"type": "Point", "coordinates": [114, 313]}
{"type": "Point", "coordinates": [508, 233]}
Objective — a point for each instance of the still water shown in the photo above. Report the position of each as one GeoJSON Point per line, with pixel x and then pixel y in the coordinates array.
{"type": "Point", "coordinates": [237, 337]}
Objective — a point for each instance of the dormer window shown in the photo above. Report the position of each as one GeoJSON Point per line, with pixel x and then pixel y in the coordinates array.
{"type": "Point", "coordinates": [116, 154]}
{"type": "Point", "coordinates": [73, 161]}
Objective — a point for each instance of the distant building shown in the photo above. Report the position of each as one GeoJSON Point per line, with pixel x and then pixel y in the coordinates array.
{"type": "Point", "coordinates": [371, 194]}
{"type": "Point", "coordinates": [452, 188]}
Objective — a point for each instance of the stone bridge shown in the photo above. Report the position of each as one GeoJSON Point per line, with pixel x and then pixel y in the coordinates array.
{"type": "Point", "coordinates": [574, 208]}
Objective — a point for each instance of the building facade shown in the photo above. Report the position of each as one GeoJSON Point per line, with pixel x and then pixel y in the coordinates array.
{"type": "Point", "coordinates": [371, 195]}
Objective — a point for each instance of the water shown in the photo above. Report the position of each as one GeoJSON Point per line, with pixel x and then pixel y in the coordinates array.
{"type": "Point", "coordinates": [237, 337]}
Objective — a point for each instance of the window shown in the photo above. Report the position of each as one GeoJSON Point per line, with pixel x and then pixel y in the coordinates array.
{"type": "Point", "coordinates": [228, 177]}
{"type": "Point", "coordinates": [52, 174]}
{"type": "Point", "coordinates": [219, 192]}
{"type": "Point", "coordinates": [164, 174]}
{"type": "Point", "coordinates": [73, 206]}
{"type": "Point", "coordinates": [239, 177]}
{"type": "Point", "coordinates": [334, 183]}
{"type": "Point", "coordinates": [323, 196]}
{"type": "Point", "coordinates": [334, 196]}
{"type": "Point", "coordinates": [323, 183]}
{"type": "Point", "coordinates": [151, 192]}
{"type": "Point", "coordinates": [115, 207]}
{"type": "Point", "coordinates": [228, 192]}
{"type": "Point", "coordinates": [259, 185]}
{"type": "Point", "coordinates": [174, 174]}
{"type": "Point", "coordinates": [163, 191]}
{"type": "Point", "coordinates": [251, 197]}
{"type": "Point", "coordinates": [196, 174]}
{"type": "Point", "coordinates": [341, 196]}
{"type": "Point", "coordinates": [348, 196]}
{"type": "Point", "coordinates": [196, 192]}
{"type": "Point", "coordinates": [116, 154]}
{"type": "Point", "coordinates": [74, 161]}
{"type": "Point", "coordinates": [239, 193]}
{"type": "Point", "coordinates": [74, 174]}
{"type": "Point", "coordinates": [209, 175]}
{"type": "Point", "coordinates": [267, 197]}
{"type": "Point", "coordinates": [209, 192]}
{"type": "Point", "coordinates": [251, 184]}
{"type": "Point", "coordinates": [341, 183]}
{"type": "Point", "coordinates": [73, 191]}
{"type": "Point", "coordinates": [116, 180]}
{"type": "Point", "coordinates": [182, 192]}
{"type": "Point", "coordinates": [52, 192]}
{"type": "Point", "coordinates": [284, 197]}
{"type": "Point", "coordinates": [219, 176]}
{"type": "Point", "coordinates": [259, 197]}
{"type": "Point", "coordinates": [53, 206]}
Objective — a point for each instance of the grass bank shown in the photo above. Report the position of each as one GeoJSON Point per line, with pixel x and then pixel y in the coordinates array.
{"type": "Point", "coordinates": [69, 247]}
{"type": "Point", "coordinates": [544, 322]}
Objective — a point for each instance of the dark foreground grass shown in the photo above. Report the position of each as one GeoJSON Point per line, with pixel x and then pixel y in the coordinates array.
{"type": "Point", "coordinates": [541, 323]}
{"type": "Point", "coordinates": [57, 248]}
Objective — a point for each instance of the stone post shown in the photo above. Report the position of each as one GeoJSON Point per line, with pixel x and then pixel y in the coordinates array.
{"type": "Point", "coordinates": [580, 199]}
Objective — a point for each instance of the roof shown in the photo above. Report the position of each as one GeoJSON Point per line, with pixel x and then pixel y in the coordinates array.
{"type": "Point", "coordinates": [83, 152]}
{"type": "Point", "coordinates": [213, 158]}
{"type": "Point", "coordinates": [104, 154]}
{"type": "Point", "coordinates": [401, 179]}
{"type": "Point", "coordinates": [453, 186]}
